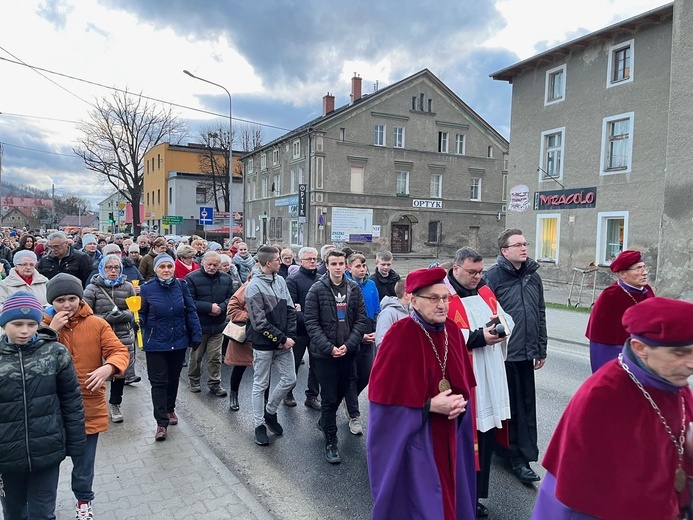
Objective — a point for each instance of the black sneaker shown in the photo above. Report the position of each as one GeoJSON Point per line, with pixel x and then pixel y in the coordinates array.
{"type": "Point", "coordinates": [272, 423]}
{"type": "Point", "coordinates": [331, 451]}
{"type": "Point", "coordinates": [261, 437]}
{"type": "Point", "coordinates": [135, 379]}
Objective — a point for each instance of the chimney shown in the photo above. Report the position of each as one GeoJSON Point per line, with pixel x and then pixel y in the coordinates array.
{"type": "Point", "coordinates": [327, 104]}
{"type": "Point", "coordinates": [355, 88]}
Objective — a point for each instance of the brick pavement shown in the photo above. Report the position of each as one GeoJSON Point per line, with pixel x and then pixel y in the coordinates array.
{"type": "Point", "coordinates": [138, 478]}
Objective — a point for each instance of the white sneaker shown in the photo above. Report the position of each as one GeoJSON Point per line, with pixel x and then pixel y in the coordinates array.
{"type": "Point", "coordinates": [116, 414]}
{"type": "Point", "coordinates": [84, 511]}
{"type": "Point", "coordinates": [355, 426]}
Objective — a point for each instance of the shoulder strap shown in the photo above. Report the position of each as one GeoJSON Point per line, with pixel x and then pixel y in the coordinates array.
{"type": "Point", "coordinates": [107, 295]}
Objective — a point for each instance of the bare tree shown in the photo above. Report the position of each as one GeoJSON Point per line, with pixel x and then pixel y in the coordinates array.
{"type": "Point", "coordinates": [119, 131]}
{"type": "Point", "coordinates": [251, 137]}
{"type": "Point", "coordinates": [213, 160]}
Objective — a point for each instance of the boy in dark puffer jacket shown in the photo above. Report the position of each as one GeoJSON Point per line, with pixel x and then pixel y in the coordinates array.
{"type": "Point", "coordinates": [43, 415]}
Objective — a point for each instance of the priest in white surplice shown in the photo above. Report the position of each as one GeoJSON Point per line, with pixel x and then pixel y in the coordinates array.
{"type": "Point", "coordinates": [472, 306]}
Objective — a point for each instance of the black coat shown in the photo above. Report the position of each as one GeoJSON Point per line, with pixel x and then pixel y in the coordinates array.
{"type": "Point", "coordinates": [206, 290]}
{"type": "Point", "coordinates": [299, 284]}
{"type": "Point", "coordinates": [41, 410]}
{"type": "Point", "coordinates": [521, 293]}
{"type": "Point", "coordinates": [320, 316]}
{"type": "Point", "coordinates": [385, 285]}
{"type": "Point", "coordinates": [75, 263]}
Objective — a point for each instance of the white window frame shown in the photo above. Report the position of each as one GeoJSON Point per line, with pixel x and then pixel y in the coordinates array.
{"type": "Point", "coordinates": [250, 166]}
{"type": "Point", "coordinates": [489, 152]}
{"type": "Point", "coordinates": [460, 139]}
{"type": "Point", "coordinates": [300, 176]}
{"type": "Point", "coordinates": [292, 188]}
{"type": "Point", "coordinates": [263, 161]}
{"type": "Point", "coordinates": [275, 156]}
{"type": "Point", "coordinates": [297, 149]}
{"type": "Point", "coordinates": [379, 135]}
{"type": "Point", "coordinates": [265, 187]}
{"type": "Point", "coordinates": [443, 142]}
{"type": "Point", "coordinates": [610, 82]}
{"type": "Point", "coordinates": [293, 223]}
{"type": "Point", "coordinates": [602, 218]}
{"type": "Point", "coordinates": [475, 183]}
{"type": "Point", "coordinates": [253, 192]}
{"type": "Point", "coordinates": [357, 179]}
{"type": "Point", "coordinates": [399, 174]}
{"type": "Point", "coordinates": [606, 141]}
{"type": "Point", "coordinates": [537, 251]}
{"type": "Point", "coordinates": [398, 135]}
{"type": "Point", "coordinates": [543, 160]}
{"type": "Point", "coordinates": [277, 185]}
{"type": "Point", "coordinates": [437, 178]}
{"type": "Point", "coordinates": [551, 74]}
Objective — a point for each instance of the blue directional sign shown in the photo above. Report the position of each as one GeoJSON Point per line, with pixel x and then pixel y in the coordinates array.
{"type": "Point", "coordinates": [206, 216]}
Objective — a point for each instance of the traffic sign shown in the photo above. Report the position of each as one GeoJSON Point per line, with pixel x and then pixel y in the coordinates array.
{"type": "Point", "coordinates": [172, 219]}
{"type": "Point", "coordinates": [206, 215]}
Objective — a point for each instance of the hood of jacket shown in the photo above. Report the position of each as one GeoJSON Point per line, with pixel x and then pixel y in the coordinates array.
{"type": "Point", "coordinates": [14, 280]}
{"type": "Point", "coordinates": [393, 304]}
{"type": "Point", "coordinates": [529, 266]}
{"type": "Point", "coordinates": [43, 334]}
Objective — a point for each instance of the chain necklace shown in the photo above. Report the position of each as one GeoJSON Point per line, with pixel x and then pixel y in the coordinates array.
{"type": "Point", "coordinates": [444, 383]}
{"type": "Point", "coordinates": [680, 475]}
{"type": "Point", "coordinates": [629, 294]}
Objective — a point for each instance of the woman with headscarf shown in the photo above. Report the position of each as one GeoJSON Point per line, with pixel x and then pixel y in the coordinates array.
{"type": "Point", "coordinates": [24, 277]}
{"type": "Point", "coordinates": [169, 324]}
{"type": "Point", "coordinates": [106, 296]}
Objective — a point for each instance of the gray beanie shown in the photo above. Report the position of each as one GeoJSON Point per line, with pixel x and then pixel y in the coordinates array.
{"type": "Point", "coordinates": [24, 254]}
{"type": "Point", "coordinates": [110, 248]}
{"type": "Point", "coordinates": [63, 284]}
{"type": "Point", "coordinates": [134, 248]}
{"type": "Point", "coordinates": [88, 239]}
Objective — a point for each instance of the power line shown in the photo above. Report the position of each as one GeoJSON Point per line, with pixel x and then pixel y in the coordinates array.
{"type": "Point", "coordinates": [38, 117]}
{"type": "Point", "coordinates": [40, 151]}
{"type": "Point", "coordinates": [74, 78]}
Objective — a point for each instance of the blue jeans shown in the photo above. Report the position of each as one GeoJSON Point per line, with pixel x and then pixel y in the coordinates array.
{"type": "Point", "coordinates": [83, 470]}
{"type": "Point", "coordinates": [30, 495]}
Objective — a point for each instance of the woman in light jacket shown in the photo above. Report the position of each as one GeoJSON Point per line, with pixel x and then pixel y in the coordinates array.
{"type": "Point", "coordinates": [24, 277]}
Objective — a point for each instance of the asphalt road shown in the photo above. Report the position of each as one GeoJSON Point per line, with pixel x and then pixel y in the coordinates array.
{"type": "Point", "coordinates": [292, 478]}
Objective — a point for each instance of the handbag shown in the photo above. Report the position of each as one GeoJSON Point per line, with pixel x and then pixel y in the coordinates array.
{"type": "Point", "coordinates": [235, 331]}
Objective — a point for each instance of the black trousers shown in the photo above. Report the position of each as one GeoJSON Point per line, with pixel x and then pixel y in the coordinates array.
{"type": "Point", "coordinates": [522, 427]}
{"type": "Point", "coordinates": [487, 442]}
{"type": "Point", "coordinates": [313, 388]}
{"type": "Point", "coordinates": [32, 494]}
{"type": "Point", "coordinates": [334, 375]}
{"type": "Point", "coordinates": [163, 369]}
{"type": "Point", "coordinates": [360, 373]}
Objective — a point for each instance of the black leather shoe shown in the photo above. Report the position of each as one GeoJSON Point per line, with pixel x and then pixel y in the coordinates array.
{"type": "Point", "coordinates": [273, 424]}
{"type": "Point", "coordinates": [233, 401]}
{"type": "Point", "coordinates": [312, 402]}
{"type": "Point", "coordinates": [331, 451]}
{"type": "Point", "coordinates": [526, 475]}
{"type": "Point", "coordinates": [289, 400]}
{"type": "Point", "coordinates": [481, 510]}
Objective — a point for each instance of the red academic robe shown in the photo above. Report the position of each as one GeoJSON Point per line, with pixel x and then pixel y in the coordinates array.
{"type": "Point", "coordinates": [405, 375]}
{"type": "Point", "coordinates": [604, 325]}
{"type": "Point", "coordinates": [610, 453]}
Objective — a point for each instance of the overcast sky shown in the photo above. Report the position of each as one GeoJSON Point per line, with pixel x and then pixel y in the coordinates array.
{"type": "Point", "coordinates": [278, 58]}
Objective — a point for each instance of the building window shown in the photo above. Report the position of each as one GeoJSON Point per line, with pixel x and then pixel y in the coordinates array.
{"type": "Point", "coordinates": [263, 161]}
{"type": "Point", "coordinates": [147, 198]}
{"type": "Point", "coordinates": [459, 144]}
{"type": "Point", "coordinates": [158, 197]}
{"type": "Point", "coordinates": [620, 64]}
{"type": "Point", "coordinates": [551, 160]}
{"type": "Point", "coordinates": [278, 229]}
{"type": "Point", "coordinates": [319, 173]}
{"type": "Point", "coordinates": [342, 134]}
{"type": "Point", "coordinates": [612, 235]}
{"type": "Point", "coordinates": [555, 85]}
{"type": "Point", "coordinates": [250, 166]}
{"type": "Point", "coordinates": [413, 102]}
{"type": "Point", "coordinates": [275, 156]}
{"type": "Point", "coordinates": [294, 241]}
{"type": "Point", "coordinates": [489, 152]}
{"type": "Point", "coordinates": [272, 227]}
{"type": "Point", "coordinates": [170, 194]}
{"type": "Point", "coordinates": [617, 143]}
{"type": "Point", "coordinates": [277, 185]}
{"type": "Point", "coordinates": [443, 142]}
{"type": "Point", "coordinates": [297, 149]}
{"type": "Point", "coordinates": [437, 186]}
{"type": "Point", "coordinates": [318, 143]}
{"type": "Point", "coordinates": [398, 137]}
{"type": "Point", "coordinates": [158, 161]}
{"type": "Point", "coordinates": [402, 183]}
{"type": "Point", "coordinates": [356, 179]}
{"type": "Point", "coordinates": [265, 187]}
{"type": "Point", "coordinates": [548, 237]}
{"type": "Point", "coordinates": [292, 178]}
{"type": "Point", "coordinates": [475, 189]}
{"type": "Point", "coordinates": [200, 195]}
{"type": "Point", "coordinates": [504, 193]}
{"type": "Point", "coordinates": [300, 176]}
{"type": "Point", "coordinates": [379, 137]}
{"type": "Point", "coordinates": [435, 231]}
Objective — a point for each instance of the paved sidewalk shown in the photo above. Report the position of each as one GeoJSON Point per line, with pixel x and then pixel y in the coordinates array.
{"type": "Point", "coordinates": [138, 478]}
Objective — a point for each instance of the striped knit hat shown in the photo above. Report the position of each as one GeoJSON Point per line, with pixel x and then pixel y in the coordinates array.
{"type": "Point", "coordinates": [22, 305]}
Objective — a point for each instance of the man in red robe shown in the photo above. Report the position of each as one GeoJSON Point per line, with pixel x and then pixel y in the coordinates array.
{"type": "Point", "coordinates": [420, 442]}
{"type": "Point", "coordinates": [619, 450]}
{"type": "Point", "coordinates": [604, 329]}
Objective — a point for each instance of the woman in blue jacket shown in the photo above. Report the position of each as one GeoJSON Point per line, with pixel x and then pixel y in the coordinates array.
{"type": "Point", "coordinates": [169, 325]}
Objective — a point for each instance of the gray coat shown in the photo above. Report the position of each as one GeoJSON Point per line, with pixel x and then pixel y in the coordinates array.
{"type": "Point", "coordinates": [120, 322]}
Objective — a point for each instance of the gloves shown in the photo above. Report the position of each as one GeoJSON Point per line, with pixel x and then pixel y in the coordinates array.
{"type": "Point", "coordinates": [195, 345]}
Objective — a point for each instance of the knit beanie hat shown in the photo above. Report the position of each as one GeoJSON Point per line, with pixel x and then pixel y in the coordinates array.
{"type": "Point", "coordinates": [110, 248]}
{"type": "Point", "coordinates": [24, 254]}
{"type": "Point", "coordinates": [134, 248]}
{"type": "Point", "coordinates": [63, 284]}
{"type": "Point", "coordinates": [22, 305]}
{"type": "Point", "coordinates": [162, 257]}
{"type": "Point", "coordinates": [88, 239]}
{"type": "Point", "coordinates": [213, 246]}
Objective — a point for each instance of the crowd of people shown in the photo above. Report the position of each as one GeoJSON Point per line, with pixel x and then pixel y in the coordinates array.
{"type": "Point", "coordinates": [447, 355]}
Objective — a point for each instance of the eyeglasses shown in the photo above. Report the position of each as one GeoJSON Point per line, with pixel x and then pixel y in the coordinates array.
{"type": "Point", "coordinates": [472, 272]}
{"type": "Point", "coordinates": [519, 244]}
{"type": "Point", "coordinates": [435, 299]}
{"type": "Point", "coordinates": [111, 268]}
{"type": "Point", "coordinates": [640, 269]}
{"type": "Point", "coordinates": [309, 259]}
{"type": "Point", "coordinates": [25, 265]}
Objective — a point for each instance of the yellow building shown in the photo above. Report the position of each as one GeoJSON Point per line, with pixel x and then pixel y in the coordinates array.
{"type": "Point", "coordinates": [175, 185]}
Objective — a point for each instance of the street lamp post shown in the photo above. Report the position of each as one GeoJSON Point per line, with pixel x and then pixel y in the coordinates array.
{"type": "Point", "coordinates": [230, 150]}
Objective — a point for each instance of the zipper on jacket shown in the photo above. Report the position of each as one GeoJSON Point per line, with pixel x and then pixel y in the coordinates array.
{"type": "Point", "coordinates": [26, 418]}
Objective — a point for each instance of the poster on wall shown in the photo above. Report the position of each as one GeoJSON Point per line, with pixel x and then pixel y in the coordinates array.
{"type": "Point", "coordinates": [352, 225]}
{"type": "Point", "coordinates": [519, 198]}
